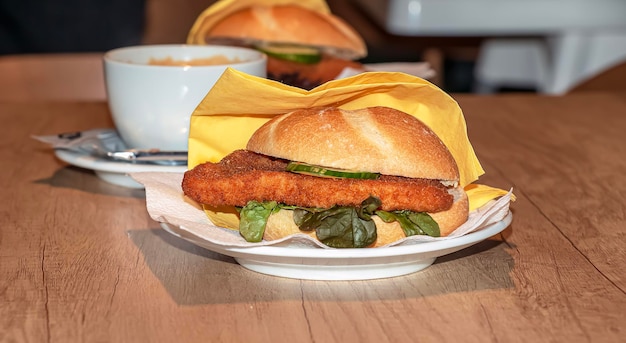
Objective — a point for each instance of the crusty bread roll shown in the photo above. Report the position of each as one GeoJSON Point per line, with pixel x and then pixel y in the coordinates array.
{"type": "Point", "coordinates": [290, 24]}
{"type": "Point", "coordinates": [374, 139]}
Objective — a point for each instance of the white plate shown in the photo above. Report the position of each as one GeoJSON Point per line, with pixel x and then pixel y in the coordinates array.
{"type": "Point", "coordinates": [111, 171]}
{"type": "Point", "coordinates": [343, 264]}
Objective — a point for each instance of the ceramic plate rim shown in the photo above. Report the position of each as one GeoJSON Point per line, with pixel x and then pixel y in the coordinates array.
{"type": "Point", "coordinates": [86, 161]}
{"type": "Point", "coordinates": [332, 254]}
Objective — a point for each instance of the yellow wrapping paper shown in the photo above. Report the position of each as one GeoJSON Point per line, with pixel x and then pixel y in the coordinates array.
{"type": "Point", "coordinates": [239, 103]}
{"type": "Point", "coordinates": [221, 9]}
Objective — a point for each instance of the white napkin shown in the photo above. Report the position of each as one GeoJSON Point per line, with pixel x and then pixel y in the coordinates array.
{"type": "Point", "coordinates": [90, 141]}
{"type": "Point", "coordinates": [166, 203]}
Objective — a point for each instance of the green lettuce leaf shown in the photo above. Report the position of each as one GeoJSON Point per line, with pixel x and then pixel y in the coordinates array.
{"type": "Point", "coordinates": [412, 223]}
{"type": "Point", "coordinates": [253, 219]}
{"type": "Point", "coordinates": [339, 226]}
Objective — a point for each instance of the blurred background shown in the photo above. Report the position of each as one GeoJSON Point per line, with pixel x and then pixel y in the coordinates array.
{"type": "Point", "coordinates": [477, 46]}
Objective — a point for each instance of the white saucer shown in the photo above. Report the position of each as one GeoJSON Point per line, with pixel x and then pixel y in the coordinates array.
{"type": "Point", "coordinates": [343, 264]}
{"type": "Point", "coordinates": [116, 173]}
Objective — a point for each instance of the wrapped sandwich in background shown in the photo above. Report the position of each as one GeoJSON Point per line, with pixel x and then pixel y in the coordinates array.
{"type": "Point", "coordinates": [305, 43]}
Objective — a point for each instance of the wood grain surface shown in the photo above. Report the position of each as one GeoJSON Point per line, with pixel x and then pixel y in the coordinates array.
{"type": "Point", "coordinates": [52, 77]}
{"type": "Point", "coordinates": [81, 261]}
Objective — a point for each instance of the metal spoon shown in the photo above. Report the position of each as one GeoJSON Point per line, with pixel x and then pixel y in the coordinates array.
{"type": "Point", "coordinates": [147, 156]}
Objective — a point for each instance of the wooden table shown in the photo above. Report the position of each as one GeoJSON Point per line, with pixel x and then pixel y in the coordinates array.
{"type": "Point", "coordinates": [66, 77]}
{"type": "Point", "coordinates": [81, 261]}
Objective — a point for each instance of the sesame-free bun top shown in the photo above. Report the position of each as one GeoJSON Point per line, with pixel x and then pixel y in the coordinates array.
{"type": "Point", "coordinates": [289, 24]}
{"type": "Point", "coordinates": [373, 139]}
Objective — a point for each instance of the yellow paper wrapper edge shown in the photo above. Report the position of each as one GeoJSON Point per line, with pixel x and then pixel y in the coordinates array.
{"type": "Point", "coordinates": [239, 104]}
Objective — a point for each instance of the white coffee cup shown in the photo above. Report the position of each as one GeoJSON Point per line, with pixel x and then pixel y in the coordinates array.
{"type": "Point", "coordinates": [151, 104]}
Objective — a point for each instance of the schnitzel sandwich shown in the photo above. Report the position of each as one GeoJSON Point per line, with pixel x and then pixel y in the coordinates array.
{"type": "Point", "coordinates": [348, 178]}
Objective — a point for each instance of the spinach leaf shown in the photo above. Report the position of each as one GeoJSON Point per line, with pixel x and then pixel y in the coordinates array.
{"type": "Point", "coordinates": [253, 219]}
{"type": "Point", "coordinates": [425, 222]}
{"type": "Point", "coordinates": [368, 208]}
{"type": "Point", "coordinates": [340, 226]}
{"type": "Point", "coordinates": [412, 223]}
{"type": "Point", "coordinates": [347, 231]}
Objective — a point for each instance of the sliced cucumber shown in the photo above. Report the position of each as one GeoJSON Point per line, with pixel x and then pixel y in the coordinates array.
{"type": "Point", "coordinates": [300, 54]}
{"type": "Point", "coordinates": [308, 169]}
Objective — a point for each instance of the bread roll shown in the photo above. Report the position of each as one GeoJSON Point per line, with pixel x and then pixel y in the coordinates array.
{"type": "Point", "coordinates": [290, 24]}
{"type": "Point", "coordinates": [374, 139]}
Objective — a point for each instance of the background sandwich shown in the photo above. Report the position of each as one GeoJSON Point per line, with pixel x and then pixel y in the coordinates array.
{"type": "Point", "coordinates": [360, 178]}
{"type": "Point", "coordinates": [305, 47]}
